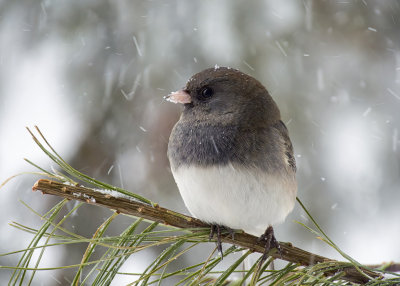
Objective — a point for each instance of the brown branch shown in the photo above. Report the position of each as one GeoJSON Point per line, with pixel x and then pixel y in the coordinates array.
{"type": "Point", "coordinates": [165, 216]}
{"type": "Point", "coordinates": [390, 266]}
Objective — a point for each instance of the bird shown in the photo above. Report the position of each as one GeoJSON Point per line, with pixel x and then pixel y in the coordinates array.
{"type": "Point", "coordinates": [231, 156]}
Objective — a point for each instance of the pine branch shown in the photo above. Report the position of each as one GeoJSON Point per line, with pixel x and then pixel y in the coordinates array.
{"type": "Point", "coordinates": [124, 204]}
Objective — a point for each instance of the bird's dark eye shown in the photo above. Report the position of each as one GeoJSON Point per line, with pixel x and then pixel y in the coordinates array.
{"type": "Point", "coordinates": [206, 92]}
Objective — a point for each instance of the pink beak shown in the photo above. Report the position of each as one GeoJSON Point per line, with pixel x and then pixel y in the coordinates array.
{"type": "Point", "coordinates": [179, 96]}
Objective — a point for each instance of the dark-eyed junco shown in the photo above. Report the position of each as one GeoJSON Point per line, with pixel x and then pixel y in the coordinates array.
{"type": "Point", "coordinates": [231, 155]}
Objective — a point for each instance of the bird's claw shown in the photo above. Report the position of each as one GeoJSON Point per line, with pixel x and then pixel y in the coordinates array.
{"type": "Point", "coordinates": [270, 242]}
{"type": "Point", "coordinates": [216, 229]}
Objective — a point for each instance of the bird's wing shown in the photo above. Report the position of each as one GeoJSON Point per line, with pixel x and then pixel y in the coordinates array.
{"type": "Point", "coordinates": [281, 127]}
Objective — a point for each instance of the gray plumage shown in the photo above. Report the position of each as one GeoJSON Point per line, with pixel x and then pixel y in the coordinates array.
{"type": "Point", "coordinates": [239, 124]}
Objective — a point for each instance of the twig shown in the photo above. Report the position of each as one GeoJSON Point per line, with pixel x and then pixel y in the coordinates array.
{"type": "Point", "coordinates": [390, 266]}
{"type": "Point", "coordinates": [167, 217]}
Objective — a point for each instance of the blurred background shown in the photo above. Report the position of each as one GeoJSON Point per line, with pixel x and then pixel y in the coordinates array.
{"type": "Point", "coordinates": [92, 73]}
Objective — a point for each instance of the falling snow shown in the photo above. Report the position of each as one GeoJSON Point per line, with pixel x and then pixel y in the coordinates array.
{"type": "Point", "coordinates": [95, 86]}
{"type": "Point", "coordinates": [367, 111]}
{"type": "Point", "coordinates": [137, 46]}
{"type": "Point", "coordinates": [248, 65]}
{"type": "Point", "coordinates": [393, 93]}
{"type": "Point", "coordinates": [280, 48]}
{"type": "Point", "coordinates": [110, 169]}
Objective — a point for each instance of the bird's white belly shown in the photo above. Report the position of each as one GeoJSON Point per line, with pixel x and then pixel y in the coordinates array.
{"type": "Point", "coordinates": [238, 198]}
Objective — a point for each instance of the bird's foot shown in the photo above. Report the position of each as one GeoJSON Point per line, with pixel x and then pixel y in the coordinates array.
{"type": "Point", "coordinates": [216, 229]}
{"type": "Point", "coordinates": [270, 242]}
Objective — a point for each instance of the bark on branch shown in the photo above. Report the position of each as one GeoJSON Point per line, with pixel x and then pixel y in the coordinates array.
{"type": "Point", "coordinates": [168, 217]}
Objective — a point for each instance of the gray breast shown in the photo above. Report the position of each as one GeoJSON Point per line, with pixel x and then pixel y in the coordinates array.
{"type": "Point", "coordinates": [201, 144]}
{"type": "Point", "coordinates": [206, 145]}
